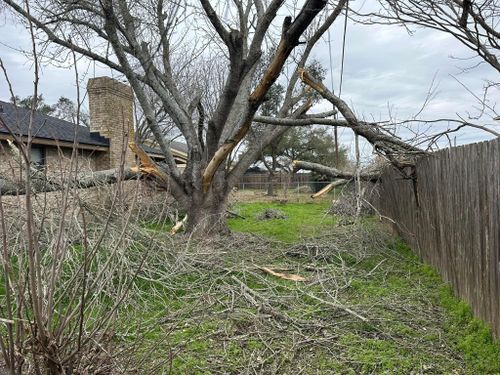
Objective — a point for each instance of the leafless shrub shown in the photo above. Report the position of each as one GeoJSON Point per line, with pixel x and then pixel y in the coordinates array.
{"type": "Point", "coordinates": [70, 261]}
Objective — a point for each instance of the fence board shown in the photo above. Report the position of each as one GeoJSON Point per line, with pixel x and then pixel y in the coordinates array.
{"type": "Point", "coordinates": [456, 226]}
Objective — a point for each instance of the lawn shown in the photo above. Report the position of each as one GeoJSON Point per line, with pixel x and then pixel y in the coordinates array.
{"type": "Point", "coordinates": [300, 295]}
{"type": "Point", "coordinates": [304, 220]}
{"type": "Point", "coordinates": [366, 305]}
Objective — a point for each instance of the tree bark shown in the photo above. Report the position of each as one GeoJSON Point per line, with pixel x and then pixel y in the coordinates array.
{"type": "Point", "coordinates": [42, 184]}
{"type": "Point", "coordinates": [207, 213]}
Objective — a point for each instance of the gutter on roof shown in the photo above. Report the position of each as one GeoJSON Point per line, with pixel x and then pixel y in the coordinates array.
{"type": "Point", "coordinates": [56, 143]}
{"type": "Point", "coordinates": [176, 152]}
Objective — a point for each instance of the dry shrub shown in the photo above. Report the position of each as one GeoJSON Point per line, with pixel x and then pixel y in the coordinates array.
{"type": "Point", "coordinates": [70, 260]}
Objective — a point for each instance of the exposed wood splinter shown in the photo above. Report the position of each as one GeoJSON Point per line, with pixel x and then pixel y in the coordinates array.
{"type": "Point", "coordinates": [178, 225]}
{"type": "Point", "coordinates": [285, 276]}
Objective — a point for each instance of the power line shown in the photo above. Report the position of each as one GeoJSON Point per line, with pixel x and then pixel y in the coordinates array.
{"type": "Point", "coordinates": [342, 60]}
{"type": "Point", "coordinates": [335, 129]}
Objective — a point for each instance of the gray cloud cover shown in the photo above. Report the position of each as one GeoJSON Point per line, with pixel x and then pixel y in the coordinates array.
{"type": "Point", "coordinates": [386, 70]}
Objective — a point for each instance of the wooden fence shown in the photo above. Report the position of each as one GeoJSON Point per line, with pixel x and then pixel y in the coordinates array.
{"type": "Point", "coordinates": [456, 224]}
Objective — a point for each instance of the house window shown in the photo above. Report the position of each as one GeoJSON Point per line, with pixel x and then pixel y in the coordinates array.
{"type": "Point", "coordinates": [38, 157]}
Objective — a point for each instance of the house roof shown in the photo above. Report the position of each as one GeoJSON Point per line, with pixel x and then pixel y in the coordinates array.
{"type": "Point", "coordinates": [179, 146]}
{"type": "Point", "coordinates": [45, 127]}
{"type": "Point", "coordinates": [54, 129]}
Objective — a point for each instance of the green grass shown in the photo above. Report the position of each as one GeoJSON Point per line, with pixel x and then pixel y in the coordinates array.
{"type": "Point", "coordinates": [471, 336]}
{"type": "Point", "coordinates": [303, 220]}
{"type": "Point", "coordinates": [415, 324]}
{"type": "Point", "coordinates": [212, 315]}
{"type": "Point", "coordinates": [468, 337]}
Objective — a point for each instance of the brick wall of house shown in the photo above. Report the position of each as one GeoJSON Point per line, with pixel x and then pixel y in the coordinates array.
{"type": "Point", "coordinates": [111, 114]}
{"type": "Point", "coordinates": [58, 161]}
{"type": "Point", "coordinates": [9, 166]}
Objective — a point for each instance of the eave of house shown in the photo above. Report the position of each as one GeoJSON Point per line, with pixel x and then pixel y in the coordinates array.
{"type": "Point", "coordinates": [54, 143]}
{"type": "Point", "coordinates": [179, 156]}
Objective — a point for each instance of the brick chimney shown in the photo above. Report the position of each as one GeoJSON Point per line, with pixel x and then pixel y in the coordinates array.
{"type": "Point", "coordinates": [111, 115]}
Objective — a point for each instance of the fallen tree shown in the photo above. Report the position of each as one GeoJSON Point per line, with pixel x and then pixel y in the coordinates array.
{"type": "Point", "coordinates": [43, 183]}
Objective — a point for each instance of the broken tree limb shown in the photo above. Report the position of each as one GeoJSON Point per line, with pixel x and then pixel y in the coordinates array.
{"type": "Point", "coordinates": [43, 184]}
{"type": "Point", "coordinates": [309, 120]}
{"type": "Point", "coordinates": [388, 144]}
{"type": "Point", "coordinates": [329, 188]}
{"type": "Point", "coordinates": [338, 306]}
{"type": "Point", "coordinates": [234, 214]}
{"type": "Point", "coordinates": [146, 164]}
{"type": "Point", "coordinates": [292, 31]}
{"type": "Point", "coordinates": [333, 172]}
{"type": "Point", "coordinates": [284, 276]}
{"type": "Point", "coordinates": [178, 225]}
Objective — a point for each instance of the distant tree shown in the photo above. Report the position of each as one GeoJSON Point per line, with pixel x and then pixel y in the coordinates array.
{"type": "Point", "coordinates": [27, 102]}
{"type": "Point", "coordinates": [316, 145]}
{"type": "Point", "coordinates": [64, 109]}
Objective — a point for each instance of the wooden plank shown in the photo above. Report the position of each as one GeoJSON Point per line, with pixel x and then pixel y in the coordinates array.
{"type": "Point", "coordinates": [457, 226]}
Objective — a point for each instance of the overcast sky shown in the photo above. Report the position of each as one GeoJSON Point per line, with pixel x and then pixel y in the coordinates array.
{"type": "Point", "coordinates": [386, 71]}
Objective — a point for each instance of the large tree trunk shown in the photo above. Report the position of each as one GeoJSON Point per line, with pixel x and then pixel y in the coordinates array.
{"type": "Point", "coordinates": [207, 211]}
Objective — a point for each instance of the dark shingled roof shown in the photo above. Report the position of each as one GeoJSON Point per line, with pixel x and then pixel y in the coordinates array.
{"type": "Point", "coordinates": [52, 128]}
{"type": "Point", "coordinates": [46, 127]}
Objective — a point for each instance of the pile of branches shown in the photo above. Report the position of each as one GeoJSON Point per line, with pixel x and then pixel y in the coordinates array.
{"type": "Point", "coordinates": [354, 201]}
{"type": "Point", "coordinates": [238, 286]}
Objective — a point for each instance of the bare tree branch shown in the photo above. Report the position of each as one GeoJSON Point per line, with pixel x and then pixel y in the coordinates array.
{"type": "Point", "coordinates": [333, 172]}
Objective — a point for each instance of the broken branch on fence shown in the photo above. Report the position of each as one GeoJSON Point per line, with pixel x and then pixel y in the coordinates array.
{"type": "Point", "coordinates": [372, 132]}
{"type": "Point", "coordinates": [334, 172]}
